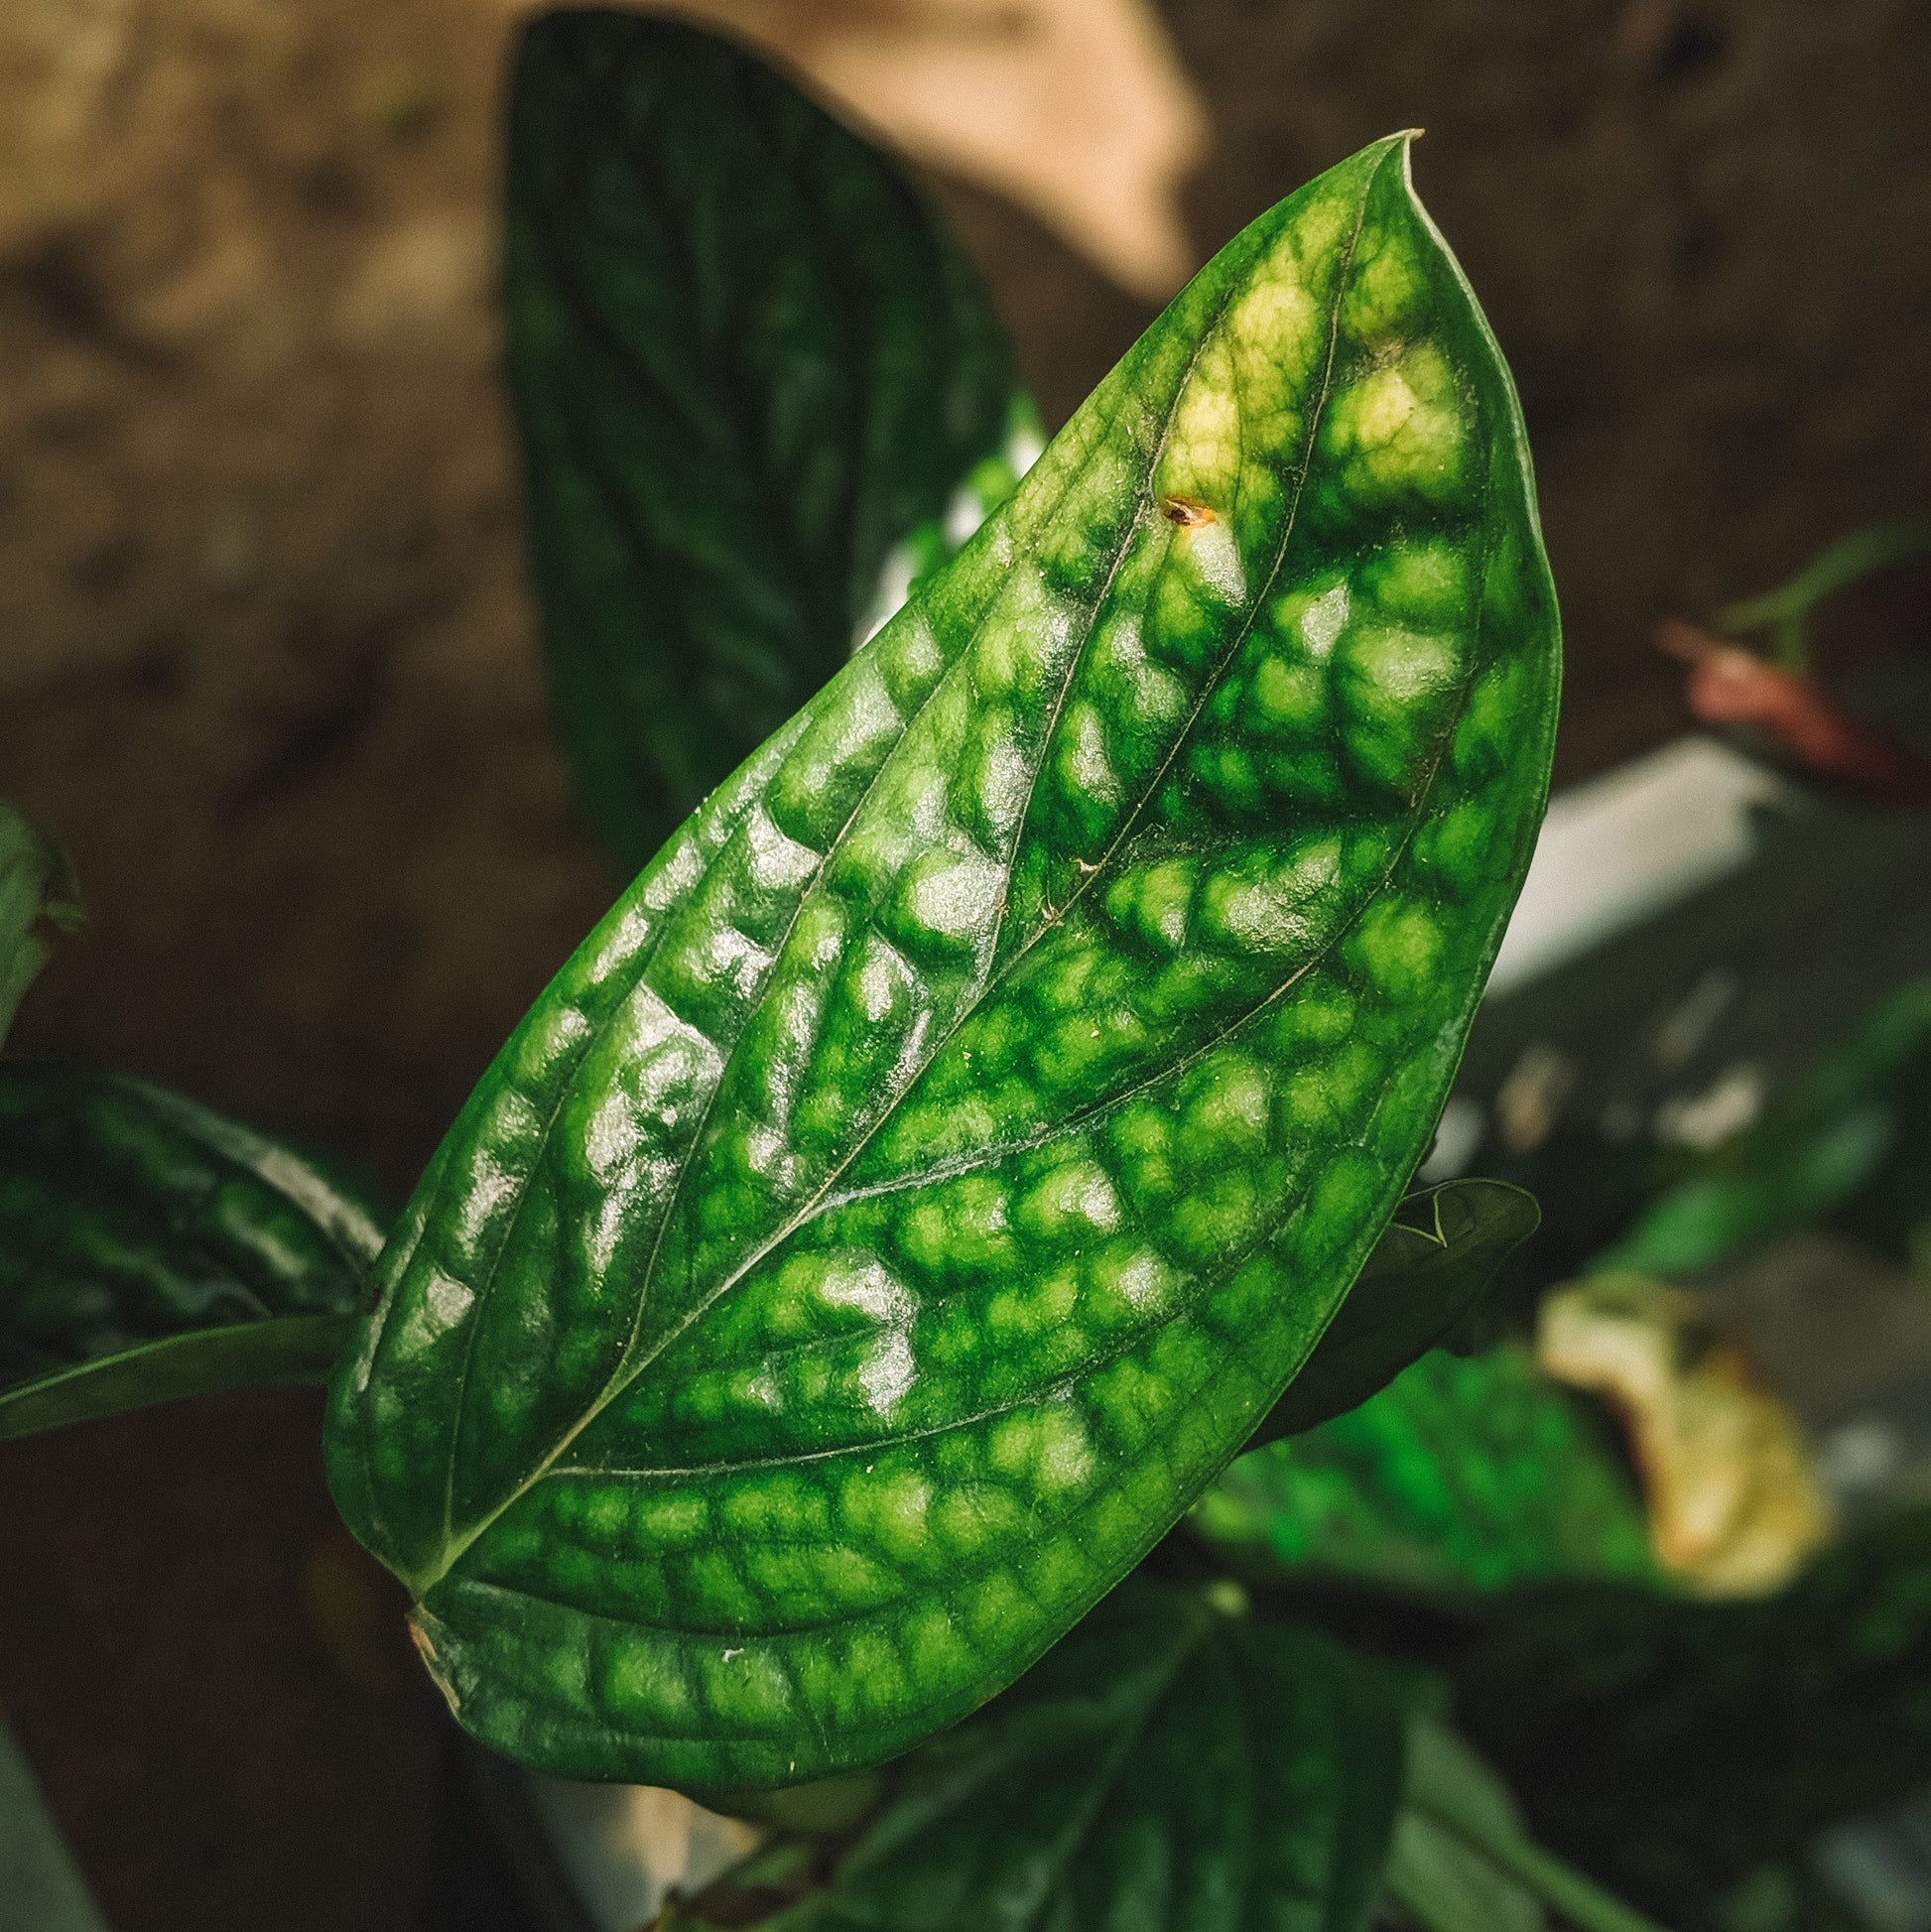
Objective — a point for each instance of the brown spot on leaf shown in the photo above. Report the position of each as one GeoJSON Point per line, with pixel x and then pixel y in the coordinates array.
{"type": "Point", "coordinates": [1187, 511]}
{"type": "Point", "coordinates": [426, 1649]}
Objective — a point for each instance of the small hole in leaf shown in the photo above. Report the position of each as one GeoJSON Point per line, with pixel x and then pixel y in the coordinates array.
{"type": "Point", "coordinates": [1187, 511]}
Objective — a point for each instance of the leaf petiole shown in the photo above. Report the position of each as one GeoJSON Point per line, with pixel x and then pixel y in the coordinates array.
{"type": "Point", "coordinates": [1559, 1885]}
{"type": "Point", "coordinates": [1786, 611]}
{"type": "Point", "coordinates": [1564, 1890]}
{"type": "Point", "coordinates": [284, 1349]}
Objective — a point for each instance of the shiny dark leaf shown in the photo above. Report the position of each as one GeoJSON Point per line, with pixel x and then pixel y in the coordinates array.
{"type": "Point", "coordinates": [149, 1249]}
{"type": "Point", "coordinates": [1165, 1761]}
{"type": "Point", "coordinates": [1429, 1271]}
{"type": "Point", "coordinates": [750, 363]}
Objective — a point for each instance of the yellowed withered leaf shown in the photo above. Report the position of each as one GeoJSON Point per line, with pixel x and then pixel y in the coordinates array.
{"type": "Point", "coordinates": [1735, 1508]}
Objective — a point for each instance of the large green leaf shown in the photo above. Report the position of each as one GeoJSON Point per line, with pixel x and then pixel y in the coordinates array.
{"type": "Point", "coordinates": [1165, 1766]}
{"type": "Point", "coordinates": [149, 1249]}
{"type": "Point", "coordinates": [35, 884]}
{"type": "Point", "coordinates": [748, 361]}
{"type": "Point", "coordinates": [1460, 1476]}
{"type": "Point", "coordinates": [1428, 1273]}
{"type": "Point", "coordinates": [942, 1158]}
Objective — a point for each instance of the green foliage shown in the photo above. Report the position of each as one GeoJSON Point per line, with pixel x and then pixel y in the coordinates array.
{"type": "Point", "coordinates": [1674, 1747]}
{"type": "Point", "coordinates": [1428, 1274]}
{"type": "Point", "coordinates": [150, 1250]}
{"type": "Point", "coordinates": [966, 1132]}
{"type": "Point", "coordinates": [1164, 1755]}
{"type": "Point", "coordinates": [749, 365]}
{"type": "Point", "coordinates": [947, 1151]}
{"type": "Point", "coordinates": [1810, 1156]}
{"type": "Point", "coordinates": [1178, 1756]}
{"type": "Point", "coordinates": [35, 885]}
{"type": "Point", "coordinates": [1786, 611]}
{"type": "Point", "coordinates": [1463, 1861]}
{"type": "Point", "coordinates": [1438, 1870]}
{"type": "Point", "coordinates": [1460, 1476]}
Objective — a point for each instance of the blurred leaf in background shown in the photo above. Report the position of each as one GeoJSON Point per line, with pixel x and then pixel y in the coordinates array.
{"type": "Point", "coordinates": [37, 887]}
{"type": "Point", "coordinates": [1079, 111]}
{"type": "Point", "coordinates": [1675, 1747]}
{"type": "Point", "coordinates": [754, 375]}
{"type": "Point", "coordinates": [1820, 1151]}
{"type": "Point", "coordinates": [1462, 1477]}
{"type": "Point", "coordinates": [151, 1249]}
{"type": "Point", "coordinates": [1734, 1507]}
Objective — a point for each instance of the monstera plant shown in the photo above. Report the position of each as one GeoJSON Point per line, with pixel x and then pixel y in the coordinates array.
{"type": "Point", "coordinates": [1068, 876]}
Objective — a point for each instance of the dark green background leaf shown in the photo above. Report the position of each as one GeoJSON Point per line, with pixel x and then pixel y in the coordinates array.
{"type": "Point", "coordinates": [1672, 1747]}
{"type": "Point", "coordinates": [1460, 1476]}
{"type": "Point", "coordinates": [35, 884]}
{"type": "Point", "coordinates": [1445, 1885]}
{"type": "Point", "coordinates": [1437, 1260]}
{"type": "Point", "coordinates": [747, 360]}
{"type": "Point", "coordinates": [1165, 1766]}
{"type": "Point", "coordinates": [942, 1158]}
{"type": "Point", "coordinates": [1463, 1861]}
{"type": "Point", "coordinates": [149, 1249]}
{"type": "Point", "coordinates": [1437, 1868]}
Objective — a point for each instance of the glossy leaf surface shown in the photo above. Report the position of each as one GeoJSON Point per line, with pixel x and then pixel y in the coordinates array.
{"type": "Point", "coordinates": [1460, 1476]}
{"type": "Point", "coordinates": [149, 1249]}
{"type": "Point", "coordinates": [1163, 1762]}
{"type": "Point", "coordinates": [1437, 1260]}
{"type": "Point", "coordinates": [35, 885]}
{"type": "Point", "coordinates": [942, 1158]}
{"type": "Point", "coordinates": [748, 362]}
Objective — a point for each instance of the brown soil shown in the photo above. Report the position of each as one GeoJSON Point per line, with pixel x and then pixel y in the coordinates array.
{"type": "Point", "coordinates": [268, 667]}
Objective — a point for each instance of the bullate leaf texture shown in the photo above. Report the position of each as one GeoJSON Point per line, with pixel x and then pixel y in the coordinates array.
{"type": "Point", "coordinates": [1165, 1761]}
{"type": "Point", "coordinates": [939, 1162]}
{"type": "Point", "coordinates": [151, 1248]}
{"type": "Point", "coordinates": [755, 380]}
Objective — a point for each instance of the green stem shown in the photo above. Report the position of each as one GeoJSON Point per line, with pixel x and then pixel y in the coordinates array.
{"type": "Point", "coordinates": [1560, 1886]}
{"type": "Point", "coordinates": [286, 1348]}
{"type": "Point", "coordinates": [1786, 610]}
